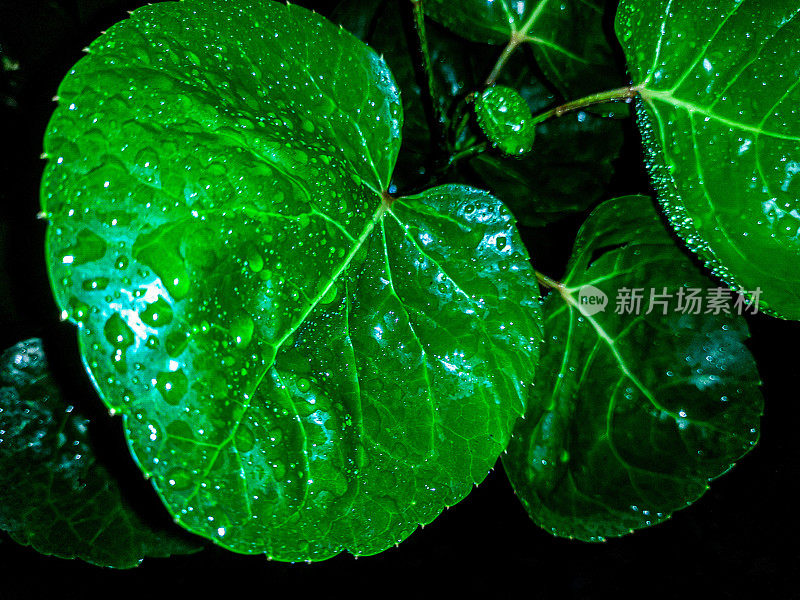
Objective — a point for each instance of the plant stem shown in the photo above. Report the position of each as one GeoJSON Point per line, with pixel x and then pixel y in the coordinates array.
{"type": "Point", "coordinates": [466, 153]}
{"type": "Point", "coordinates": [559, 287]}
{"type": "Point", "coordinates": [436, 117]}
{"type": "Point", "coordinates": [625, 94]}
{"type": "Point", "coordinates": [501, 62]}
{"type": "Point", "coordinates": [518, 36]}
{"type": "Point", "coordinates": [549, 282]}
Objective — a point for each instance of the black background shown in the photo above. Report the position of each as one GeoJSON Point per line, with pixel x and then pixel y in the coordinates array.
{"type": "Point", "coordinates": [740, 539]}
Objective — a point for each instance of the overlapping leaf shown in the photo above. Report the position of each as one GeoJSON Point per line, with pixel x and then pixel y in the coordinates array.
{"type": "Point", "coordinates": [54, 494]}
{"type": "Point", "coordinates": [721, 127]}
{"type": "Point", "coordinates": [634, 411]}
{"type": "Point", "coordinates": [304, 363]}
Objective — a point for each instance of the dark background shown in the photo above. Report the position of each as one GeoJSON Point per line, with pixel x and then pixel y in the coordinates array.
{"type": "Point", "coordinates": [738, 540]}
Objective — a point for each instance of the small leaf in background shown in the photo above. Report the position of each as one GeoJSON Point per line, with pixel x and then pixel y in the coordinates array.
{"type": "Point", "coordinates": [304, 364]}
{"type": "Point", "coordinates": [8, 81]}
{"type": "Point", "coordinates": [720, 124]}
{"type": "Point", "coordinates": [567, 36]}
{"type": "Point", "coordinates": [633, 413]}
{"type": "Point", "coordinates": [505, 119]}
{"type": "Point", "coordinates": [54, 494]}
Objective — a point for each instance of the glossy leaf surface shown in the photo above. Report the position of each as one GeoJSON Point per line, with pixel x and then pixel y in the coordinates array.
{"type": "Point", "coordinates": [632, 413]}
{"type": "Point", "coordinates": [304, 364]}
{"type": "Point", "coordinates": [567, 36]}
{"type": "Point", "coordinates": [505, 119]}
{"type": "Point", "coordinates": [720, 124]}
{"type": "Point", "coordinates": [54, 493]}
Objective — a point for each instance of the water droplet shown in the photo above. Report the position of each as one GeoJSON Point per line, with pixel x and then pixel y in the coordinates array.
{"type": "Point", "coordinates": [157, 314]}
{"type": "Point", "coordinates": [88, 247]}
{"type": "Point", "coordinates": [117, 332]}
{"type": "Point", "coordinates": [172, 385]}
{"type": "Point", "coordinates": [179, 479]}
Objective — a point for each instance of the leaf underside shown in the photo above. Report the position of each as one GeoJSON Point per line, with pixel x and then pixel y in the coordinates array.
{"type": "Point", "coordinates": [303, 363]}
{"type": "Point", "coordinates": [617, 438]}
{"type": "Point", "coordinates": [722, 132]}
{"type": "Point", "coordinates": [54, 494]}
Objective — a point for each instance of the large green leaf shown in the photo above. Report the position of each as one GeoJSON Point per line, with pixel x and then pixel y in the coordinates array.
{"type": "Point", "coordinates": [632, 413]}
{"type": "Point", "coordinates": [304, 364]}
{"type": "Point", "coordinates": [54, 494]}
{"type": "Point", "coordinates": [571, 165]}
{"type": "Point", "coordinates": [720, 124]}
{"type": "Point", "coordinates": [567, 36]}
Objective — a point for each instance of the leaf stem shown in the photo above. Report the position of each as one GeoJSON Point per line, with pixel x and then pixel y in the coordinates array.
{"type": "Point", "coordinates": [559, 287]}
{"type": "Point", "coordinates": [623, 94]}
{"type": "Point", "coordinates": [467, 153]}
{"type": "Point", "coordinates": [502, 60]}
{"type": "Point", "coordinates": [548, 282]}
{"type": "Point", "coordinates": [436, 117]}
{"type": "Point", "coordinates": [518, 36]}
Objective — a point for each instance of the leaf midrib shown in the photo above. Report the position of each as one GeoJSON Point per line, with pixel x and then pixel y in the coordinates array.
{"type": "Point", "coordinates": [231, 438]}
{"type": "Point", "coordinates": [620, 360]}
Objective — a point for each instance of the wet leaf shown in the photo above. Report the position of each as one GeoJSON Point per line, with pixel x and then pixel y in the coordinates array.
{"type": "Point", "coordinates": [505, 119]}
{"type": "Point", "coordinates": [633, 411]}
{"type": "Point", "coordinates": [54, 494]}
{"type": "Point", "coordinates": [720, 124]}
{"type": "Point", "coordinates": [304, 364]}
{"type": "Point", "coordinates": [567, 36]}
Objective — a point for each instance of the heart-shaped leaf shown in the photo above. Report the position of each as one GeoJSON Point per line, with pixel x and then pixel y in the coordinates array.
{"type": "Point", "coordinates": [304, 363]}
{"type": "Point", "coordinates": [54, 494]}
{"type": "Point", "coordinates": [634, 410]}
{"type": "Point", "coordinates": [720, 124]}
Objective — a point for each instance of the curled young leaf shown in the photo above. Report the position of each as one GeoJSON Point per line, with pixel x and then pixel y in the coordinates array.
{"type": "Point", "coordinates": [54, 493]}
{"type": "Point", "coordinates": [304, 363]}
{"type": "Point", "coordinates": [505, 119]}
{"type": "Point", "coordinates": [636, 407]}
{"type": "Point", "coordinates": [721, 128]}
